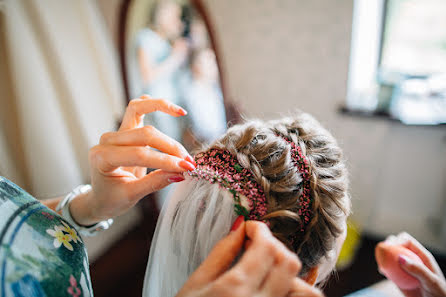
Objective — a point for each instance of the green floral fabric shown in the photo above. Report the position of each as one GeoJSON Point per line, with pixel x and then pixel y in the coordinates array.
{"type": "Point", "coordinates": [40, 253]}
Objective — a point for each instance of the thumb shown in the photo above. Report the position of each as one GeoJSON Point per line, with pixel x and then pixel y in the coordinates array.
{"type": "Point", "coordinates": [152, 182]}
{"type": "Point", "coordinates": [417, 270]}
{"type": "Point", "coordinates": [221, 256]}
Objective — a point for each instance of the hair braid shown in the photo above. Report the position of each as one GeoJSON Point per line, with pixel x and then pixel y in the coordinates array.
{"type": "Point", "coordinates": [260, 147]}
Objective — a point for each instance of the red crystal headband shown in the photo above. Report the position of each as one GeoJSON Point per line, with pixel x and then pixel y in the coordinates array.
{"type": "Point", "coordinates": [301, 162]}
{"type": "Point", "coordinates": [221, 167]}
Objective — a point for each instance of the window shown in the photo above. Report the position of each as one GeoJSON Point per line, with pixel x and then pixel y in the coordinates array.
{"type": "Point", "coordinates": [398, 60]}
{"type": "Point", "coordinates": [414, 37]}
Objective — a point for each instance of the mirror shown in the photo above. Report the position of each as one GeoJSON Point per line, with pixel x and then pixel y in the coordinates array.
{"type": "Point", "coordinates": [169, 55]}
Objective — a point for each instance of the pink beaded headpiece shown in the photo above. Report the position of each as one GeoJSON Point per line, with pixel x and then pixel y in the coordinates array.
{"type": "Point", "coordinates": [221, 167]}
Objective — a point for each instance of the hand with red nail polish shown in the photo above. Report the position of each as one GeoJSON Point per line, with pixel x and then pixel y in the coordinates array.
{"type": "Point", "coordinates": [186, 165]}
{"type": "Point", "coordinates": [176, 179]}
{"type": "Point", "coordinates": [120, 161]}
{"type": "Point", "coordinates": [255, 274]}
{"type": "Point", "coordinates": [237, 223]}
{"type": "Point", "coordinates": [419, 264]}
{"type": "Point", "coordinates": [191, 160]}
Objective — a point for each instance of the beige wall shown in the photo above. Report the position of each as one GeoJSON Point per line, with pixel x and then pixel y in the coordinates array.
{"type": "Point", "coordinates": [281, 55]}
{"type": "Point", "coordinates": [62, 91]}
{"type": "Point", "coordinates": [10, 140]}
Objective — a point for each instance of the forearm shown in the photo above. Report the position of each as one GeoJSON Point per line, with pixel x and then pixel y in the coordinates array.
{"type": "Point", "coordinates": [52, 203]}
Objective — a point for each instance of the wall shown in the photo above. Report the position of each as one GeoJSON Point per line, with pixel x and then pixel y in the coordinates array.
{"type": "Point", "coordinates": [110, 10]}
{"type": "Point", "coordinates": [10, 140]}
{"type": "Point", "coordinates": [60, 90]}
{"type": "Point", "coordinates": [281, 55]}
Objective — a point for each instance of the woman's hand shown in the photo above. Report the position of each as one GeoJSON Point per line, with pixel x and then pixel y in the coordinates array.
{"type": "Point", "coordinates": [267, 268]}
{"type": "Point", "coordinates": [433, 283]}
{"type": "Point", "coordinates": [119, 163]}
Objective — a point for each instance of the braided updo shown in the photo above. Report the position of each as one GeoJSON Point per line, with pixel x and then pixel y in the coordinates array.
{"type": "Point", "coordinates": [261, 148]}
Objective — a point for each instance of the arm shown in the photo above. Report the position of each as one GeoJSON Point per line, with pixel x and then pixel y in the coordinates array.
{"type": "Point", "coordinates": [78, 206]}
{"type": "Point", "coordinates": [52, 203]}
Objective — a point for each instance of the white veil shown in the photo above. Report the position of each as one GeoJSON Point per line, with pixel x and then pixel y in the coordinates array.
{"type": "Point", "coordinates": [196, 216]}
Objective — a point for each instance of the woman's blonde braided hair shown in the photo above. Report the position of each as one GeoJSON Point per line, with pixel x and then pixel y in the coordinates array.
{"type": "Point", "coordinates": [260, 147]}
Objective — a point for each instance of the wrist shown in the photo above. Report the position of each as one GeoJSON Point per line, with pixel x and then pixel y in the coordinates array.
{"type": "Point", "coordinates": [78, 209]}
{"type": "Point", "coordinates": [82, 209]}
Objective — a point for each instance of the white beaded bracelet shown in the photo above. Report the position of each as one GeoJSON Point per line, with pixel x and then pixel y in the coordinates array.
{"type": "Point", "coordinates": [64, 205]}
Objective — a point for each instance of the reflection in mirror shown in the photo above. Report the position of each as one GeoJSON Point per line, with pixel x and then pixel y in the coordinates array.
{"type": "Point", "coordinates": [175, 61]}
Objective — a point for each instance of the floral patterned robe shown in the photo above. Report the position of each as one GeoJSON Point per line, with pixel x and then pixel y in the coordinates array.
{"type": "Point", "coordinates": [40, 253]}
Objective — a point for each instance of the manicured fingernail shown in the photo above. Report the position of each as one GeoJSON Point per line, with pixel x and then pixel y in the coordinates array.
{"type": "Point", "coordinates": [186, 165]}
{"type": "Point", "coordinates": [237, 223]}
{"type": "Point", "coordinates": [403, 260]}
{"type": "Point", "coordinates": [175, 179]}
{"type": "Point", "coordinates": [181, 111]}
{"type": "Point", "coordinates": [191, 160]}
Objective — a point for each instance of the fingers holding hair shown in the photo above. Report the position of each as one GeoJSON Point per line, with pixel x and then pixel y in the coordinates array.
{"type": "Point", "coordinates": [266, 255]}
{"type": "Point", "coordinates": [261, 248]}
{"type": "Point", "coordinates": [281, 274]}
{"type": "Point", "coordinates": [221, 256]}
{"type": "Point", "coordinates": [285, 269]}
{"type": "Point", "coordinates": [263, 254]}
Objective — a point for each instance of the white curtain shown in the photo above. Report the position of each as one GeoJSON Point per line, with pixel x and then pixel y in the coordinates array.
{"type": "Point", "coordinates": [65, 88]}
